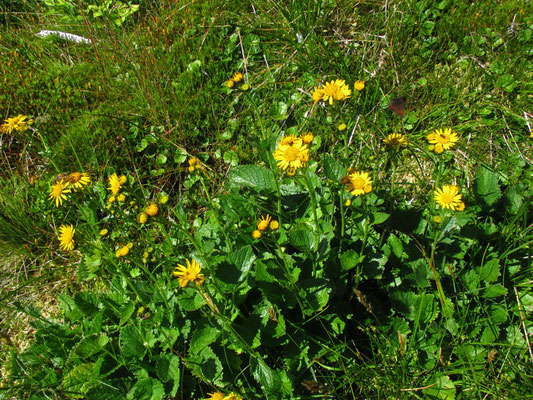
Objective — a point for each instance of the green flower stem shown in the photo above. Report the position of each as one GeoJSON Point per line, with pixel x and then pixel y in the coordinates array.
{"type": "Point", "coordinates": [312, 196]}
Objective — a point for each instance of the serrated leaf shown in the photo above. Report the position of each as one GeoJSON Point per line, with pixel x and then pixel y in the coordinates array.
{"type": "Point", "coordinates": [207, 365]}
{"type": "Point", "coordinates": [303, 239]}
{"type": "Point", "coordinates": [190, 300]}
{"type": "Point", "coordinates": [168, 368]}
{"type": "Point", "coordinates": [147, 389]}
{"type": "Point", "coordinates": [490, 270]}
{"type": "Point", "coordinates": [87, 303]}
{"type": "Point", "coordinates": [91, 345]}
{"type": "Point", "coordinates": [131, 343]}
{"type": "Point", "coordinates": [263, 375]}
{"type": "Point", "coordinates": [253, 176]}
{"type": "Point", "coordinates": [243, 260]}
{"type": "Point", "coordinates": [498, 314]}
{"type": "Point", "coordinates": [494, 291]}
{"type": "Point", "coordinates": [316, 294]}
{"type": "Point", "coordinates": [333, 169]}
{"type": "Point", "coordinates": [202, 338]}
{"type": "Point", "coordinates": [349, 259]}
{"type": "Point", "coordinates": [487, 186]}
{"type": "Point", "coordinates": [78, 381]}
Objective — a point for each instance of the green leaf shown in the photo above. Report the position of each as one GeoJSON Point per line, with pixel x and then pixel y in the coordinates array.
{"type": "Point", "coordinates": [316, 294]}
{"type": "Point", "coordinates": [254, 177]}
{"type": "Point", "coordinates": [444, 389]}
{"type": "Point", "coordinates": [243, 260]}
{"type": "Point", "coordinates": [202, 338]}
{"type": "Point", "coordinates": [91, 345]}
{"type": "Point", "coordinates": [78, 381]}
{"type": "Point", "coordinates": [379, 218]}
{"type": "Point", "coordinates": [490, 270]}
{"type": "Point", "coordinates": [263, 375]}
{"type": "Point", "coordinates": [333, 169]}
{"type": "Point", "coordinates": [190, 300]}
{"type": "Point", "coordinates": [487, 186]}
{"type": "Point", "coordinates": [498, 314]}
{"type": "Point", "coordinates": [168, 368]}
{"type": "Point", "coordinates": [252, 44]}
{"type": "Point", "coordinates": [278, 111]}
{"type": "Point", "coordinates": [303, 238]}
{"type": "Point", "coordinates": [231, 158]}
{"type": "Point", "coordinates": [131, 343]}
{"type": "Point", "coordinates": [349, 259]}
{"type": "Point", "coordinates": [87, 303]}
{"type": "Point", "coordinates": [396, 246]}
{"type": "Point", "coordinates": [147, 389]}
{"type": "Point", "coordinates": [494, 291]}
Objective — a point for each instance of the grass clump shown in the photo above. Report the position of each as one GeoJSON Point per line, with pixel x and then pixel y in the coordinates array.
{"type": "Point", "coordinates": [308, 200]}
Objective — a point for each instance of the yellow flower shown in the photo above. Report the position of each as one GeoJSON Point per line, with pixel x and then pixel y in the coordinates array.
{"type": "Point", "coordinates": [359, 85]}
{"type": "Point", "coordinates": [79, 179]}
{"type": "Point", "coordinates": [57, 192]}
{"type": "Point", "coordinates": [317, 94]}
{"type": "Point", "coordinates": [104, 232]}
{"type": "Point", "coordinates": [122, 179]}
{"type": "Point", "coordinates": [142, 218]}
{"type": "Point", "coordinates": [18, 123]}
{"type": "Point", "coordinates": [336, 90]}
{"type": "Point", "coordinates": [291, 156]}
{"type": "Point", "coordinates": [237, 77]}
{"type": "Point", "coordinates": [341, 127]}
{"type": "Point", "coordinates": [257, 234]}
{"type": "Point", "coordinates": [123, 251]}
{"type": "Point", "coordinates": [112, 199]}
{"type": "Point", "coordinates": [274, 225]}
{"type": "Point", "coordinates": [115, 183]}
{"type": "Point", "coordinates": [152, 210]}
{"type": "Point", "coordinates": [348, 203]}
{"type": "Point", "coordinates": [262, 225]}
{"type": "Point", "coordinates": [449, 197]}
{"type": "Point", "coordinates": [442, 139]}
{"type": "Point", "coordinates": [359, 183]}
{"type": "Point", "coordinates": [191, 169]}
{"type": "Point", "coordinates": [395, 141]}
{"type": "Point", "coordinates": [215, 396]}
{"type": "Point", "coordinates": [308, 138]}
{"type": "Point", "coordinates": [190, 273]}
{"type": "Point", "coordinates": [232, 396]}
{"type": "Point", "coordinates": [163, 199]}
{"type": "Point", "coordinates": [230, 83]}
{"type": "Point", "coordinates": [245, 87]}
{"type": "Point", "coordinates": [66, 237]}
{"type": "Point", "coordinates": [121, 197]}
{"type": "Point", "coordinates": [192, 161]}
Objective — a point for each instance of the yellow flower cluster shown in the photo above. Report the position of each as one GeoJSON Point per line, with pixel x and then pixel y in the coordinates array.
{"type": "Point", "coordinates": [237, 77]}
{"type": "Point", "coordinates": [20, 123]}
{"type": "Point", "coordinates": [73, 181]}
{"type": "Point", "coordinates": [264, 223]}
{"type": "Point", "coordinates": [292, 153]}
{"type": "Point", "coordinates": [193, 164]}
{"type": "Point", "coordinates": [123, 251]}
{"type": "Point", "coordinates": [334, 90]}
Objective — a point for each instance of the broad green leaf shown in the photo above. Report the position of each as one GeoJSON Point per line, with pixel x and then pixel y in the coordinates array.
{"type": "Point", "coordinates": [349, 259]}
{"type": "Point", "coordinates": [264, 375]}
{"type": "Point", "coordinates": [252, 44]}
{"type": "Point", "coordinates": [498, 314]}
{"type": "Point", "coordinates": [78, 381]}
{"type": "Point", "coordinates": [87, 302]}
{"type": "Point", "coordinates": [490, 270]}
{"type": "Point", "coordinates": [333, 169]}
{"type": "Point", "coordinates": [91, 345]}
{"type": "Point", "coordinates": [316, 294]}
{"type": "Point", "coordinates": [190, 300]}
{"type": "Point", "coordinates": [444, 389]}
{"type": "Point", "coordinates": [487, 186]}
{"type": "Point", "coordinates": [131, 343]}
{"type": "Point", "coordinates": [396, 246]}
{"type": "Point", "coordinates": [254, 177]}
{"type": "Point", "coordinates": [147, 389]}
{"type": "Point", "coordinates": [303, 238]}
{"type": "Point", "coordinates": [494, 291]}
{"type": "Point", "coordinates": [168, 368]}
{"type": "Point", "coordinates": [202, 338]}
{"type": "Point", "coordinates": [278, 111]}
{"type": "Point", "coordinates": [379, 218]}
{"type": "Point", "coordinates": [243, 260]}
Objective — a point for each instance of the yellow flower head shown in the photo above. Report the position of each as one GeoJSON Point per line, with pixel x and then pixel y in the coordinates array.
{"type": "Point", "coordinates": [395, 141]}
{"type": "Point", "coordinates": [291, 154]}
{"type": "Point", "coordinates": [164, 199]}
{"type": "Point", "coordinates": [341, 127]}
{"type": "Point", "coordinates": [449, 197]}
{"type": "Point", "coordinates": [232, 396]}
{"type": "Point", "coordinates": [263, 223]}
{"type": "Point", "coordinates": [115, 183]}
{"type": "Point", "coordinates": [152, 210]}
{"type": "Point", "coordinates": [192, 161]}
{"type": "Point", "coordinates": [348, 203]}
{"type": "Point", "coordinates": [237, 77]}
{"type": "Point", "coordinates": [122, 179]}
{"type": "Point", "coordinates": [123, 251]}
{"type": "Point", "coordinates": [18, 123]}
{"type": "Point", "coordinates": [358, 183]}
{"type": "Point", "coordinates": [112, 199]}
{"type": "Point", "coordinates": [142, 218]}
{"type": "Point", "coordinates": [104, 232]}
{"type": "Point", "coordinates": [274, 225]}
{"type": "Point", "coordinates": [66, 237]}
{"type": "Point", "coordinates": [336, 90]}
{"type": "Point", "coordinates": [257, 234]}
{"type": "Point", "coordinates": [317, 94]}
{"type": "Point", "coordinates": [121, 197]}
{"type": "Point", "coordinates": [359, 85]}
{"type": "Point", "coordinates": [190, 273]}
{"type": "Point", "coordinates": [245, 87]}
{"type": "Point", "coordinates": [230, 83]}
{"type": "Point", "coordinates": [442, 139]}
{"type": "Point", "coordinates": [57, 192]}
{"type": "Point", "coordinates": [307, 138]}
{"type": "Point", "coordinates": [215, 396]}
{"type": "Point", "coordinates": [79, 179]}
